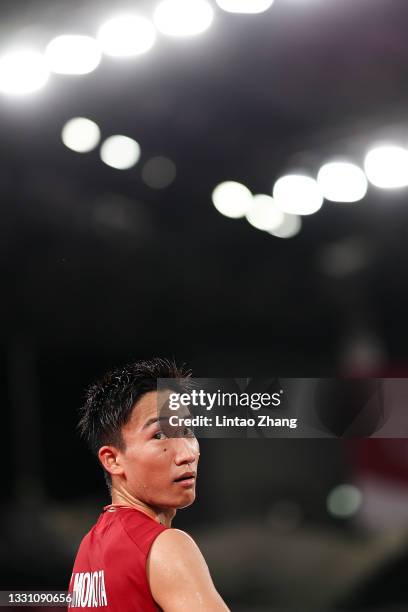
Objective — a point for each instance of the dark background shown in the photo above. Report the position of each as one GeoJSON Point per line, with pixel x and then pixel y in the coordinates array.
{"type": "Point", "coordinates": [97, 269]}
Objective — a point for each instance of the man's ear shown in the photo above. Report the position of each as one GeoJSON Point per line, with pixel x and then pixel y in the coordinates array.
{"type": "Point", "coordinates": [109, 457]}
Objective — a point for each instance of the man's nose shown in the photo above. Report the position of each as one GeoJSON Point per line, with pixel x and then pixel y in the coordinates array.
{"type": "Point", "coordinates": [186, 451]}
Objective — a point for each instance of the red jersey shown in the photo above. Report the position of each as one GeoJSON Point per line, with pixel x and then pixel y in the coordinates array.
{"type": "Point", "coordinates": [110, 567]}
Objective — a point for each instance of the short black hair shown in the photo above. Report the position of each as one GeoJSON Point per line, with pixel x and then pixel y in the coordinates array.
{"type": "Point", "coordinates": [109, 402]}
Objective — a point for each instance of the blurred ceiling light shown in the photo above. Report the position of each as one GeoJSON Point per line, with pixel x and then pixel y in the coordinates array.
{"type": "Point", "coordinates": [387, 167]}
{"type": "Point", "coordinates": [297, 194]}
{"type": "Point", "coordinates": [120, 152]}
{"type": "Point", "coordinates": [127, 35]}
{"type": "Point", "coordinates": [245, 6]}
{"type": "Point", "coordinates": [71, 54]}
{"type": "Point", "coordinates": [342, 182]}
{"type": "Point", "coordinates": [183, 17]}
{"type": "Point", "coordinates": [158, 172]}
{"type": "Point", "coordinates": [232, 199]}
{"type": "Point", "coordinates": [23, 72]}
{"type": "Point", "coordinates": [263, 213]}
{"type": "Point", "coordinates": [344, 501]}
{"type": "Point", "coordinates": [289, 227]}
{"type": "Point", "coordinates": [80, 134]}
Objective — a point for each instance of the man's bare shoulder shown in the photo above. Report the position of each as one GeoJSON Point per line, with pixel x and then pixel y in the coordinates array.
{"type": "Point", "coordinates": [173, 550]}
{"type": "Point", "coordinates": [175, 542]}
{"type": "Point", "coordinates": [178, 575]}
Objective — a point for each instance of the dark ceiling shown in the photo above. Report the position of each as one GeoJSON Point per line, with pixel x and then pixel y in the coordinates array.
{"type": "Point", "coordinates": [92, 257]}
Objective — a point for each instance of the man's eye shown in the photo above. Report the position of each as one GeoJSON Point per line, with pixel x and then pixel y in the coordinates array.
{"type": "Point", "coordinates": [160, 435]}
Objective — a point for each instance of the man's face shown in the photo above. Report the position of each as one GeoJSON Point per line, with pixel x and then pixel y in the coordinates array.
{"type": "Point", "coordinates": [158, 470]}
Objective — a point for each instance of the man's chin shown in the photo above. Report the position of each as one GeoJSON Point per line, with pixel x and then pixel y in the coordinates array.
{"type": "Point", "coordinates": [177, 504]}
{"type": "Point", "coordinates": [187, 502]}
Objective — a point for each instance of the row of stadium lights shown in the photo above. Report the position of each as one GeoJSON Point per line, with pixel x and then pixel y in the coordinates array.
{"type": "Point", "coordinates": [23, 71]}
{"type": "Point", "coordinates": [83, 135]}
{"type": "Point", "coordinates": [296, 195]}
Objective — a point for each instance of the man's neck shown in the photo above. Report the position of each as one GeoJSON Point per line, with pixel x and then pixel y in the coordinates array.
{"type": "Point", "coordinates": [164, 516]}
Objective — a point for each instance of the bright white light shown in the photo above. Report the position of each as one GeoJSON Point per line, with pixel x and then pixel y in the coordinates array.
{"type": "Point", "coordinates": [245, 6]}
{"type": "Point", "coordinates": [297, 194]}
{"type": "Point", "coordinates": [344, 501]}
{"type": "Point", "coordinates": [342, 182]}
{"type": "Point", "coordinates": [120, 152]}
{"type": "Point", "coordinates": [387, 167]}
{"type": "Point", "coordinates": [22, 72]}
{"type": "Point", "coordinates": [232, 199]}
{"type": "Point", "coordinates": [289, 227]}
{"type": "Point", "coordinates": [71, 54]}
{"type": "Point", "coordinates": [183, 17]}
{"type": "Point", "coordinates": [263, 213]}
{"type": "Point", "coordinates": [127, 35]}
{"type": "Point", "coordinates": [80, 134]}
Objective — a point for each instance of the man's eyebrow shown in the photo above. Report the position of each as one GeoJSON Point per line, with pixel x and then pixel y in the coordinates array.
{"type": "Point", "coordinates": [154, 420]}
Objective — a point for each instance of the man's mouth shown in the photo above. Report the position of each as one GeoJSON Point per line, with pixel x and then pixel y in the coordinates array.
{"type": "Point", "coordinates": [187, 477]}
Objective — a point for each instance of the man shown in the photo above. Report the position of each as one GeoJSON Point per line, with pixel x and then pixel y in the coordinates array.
{"type": "Point", "coordinates": [132, 560]}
